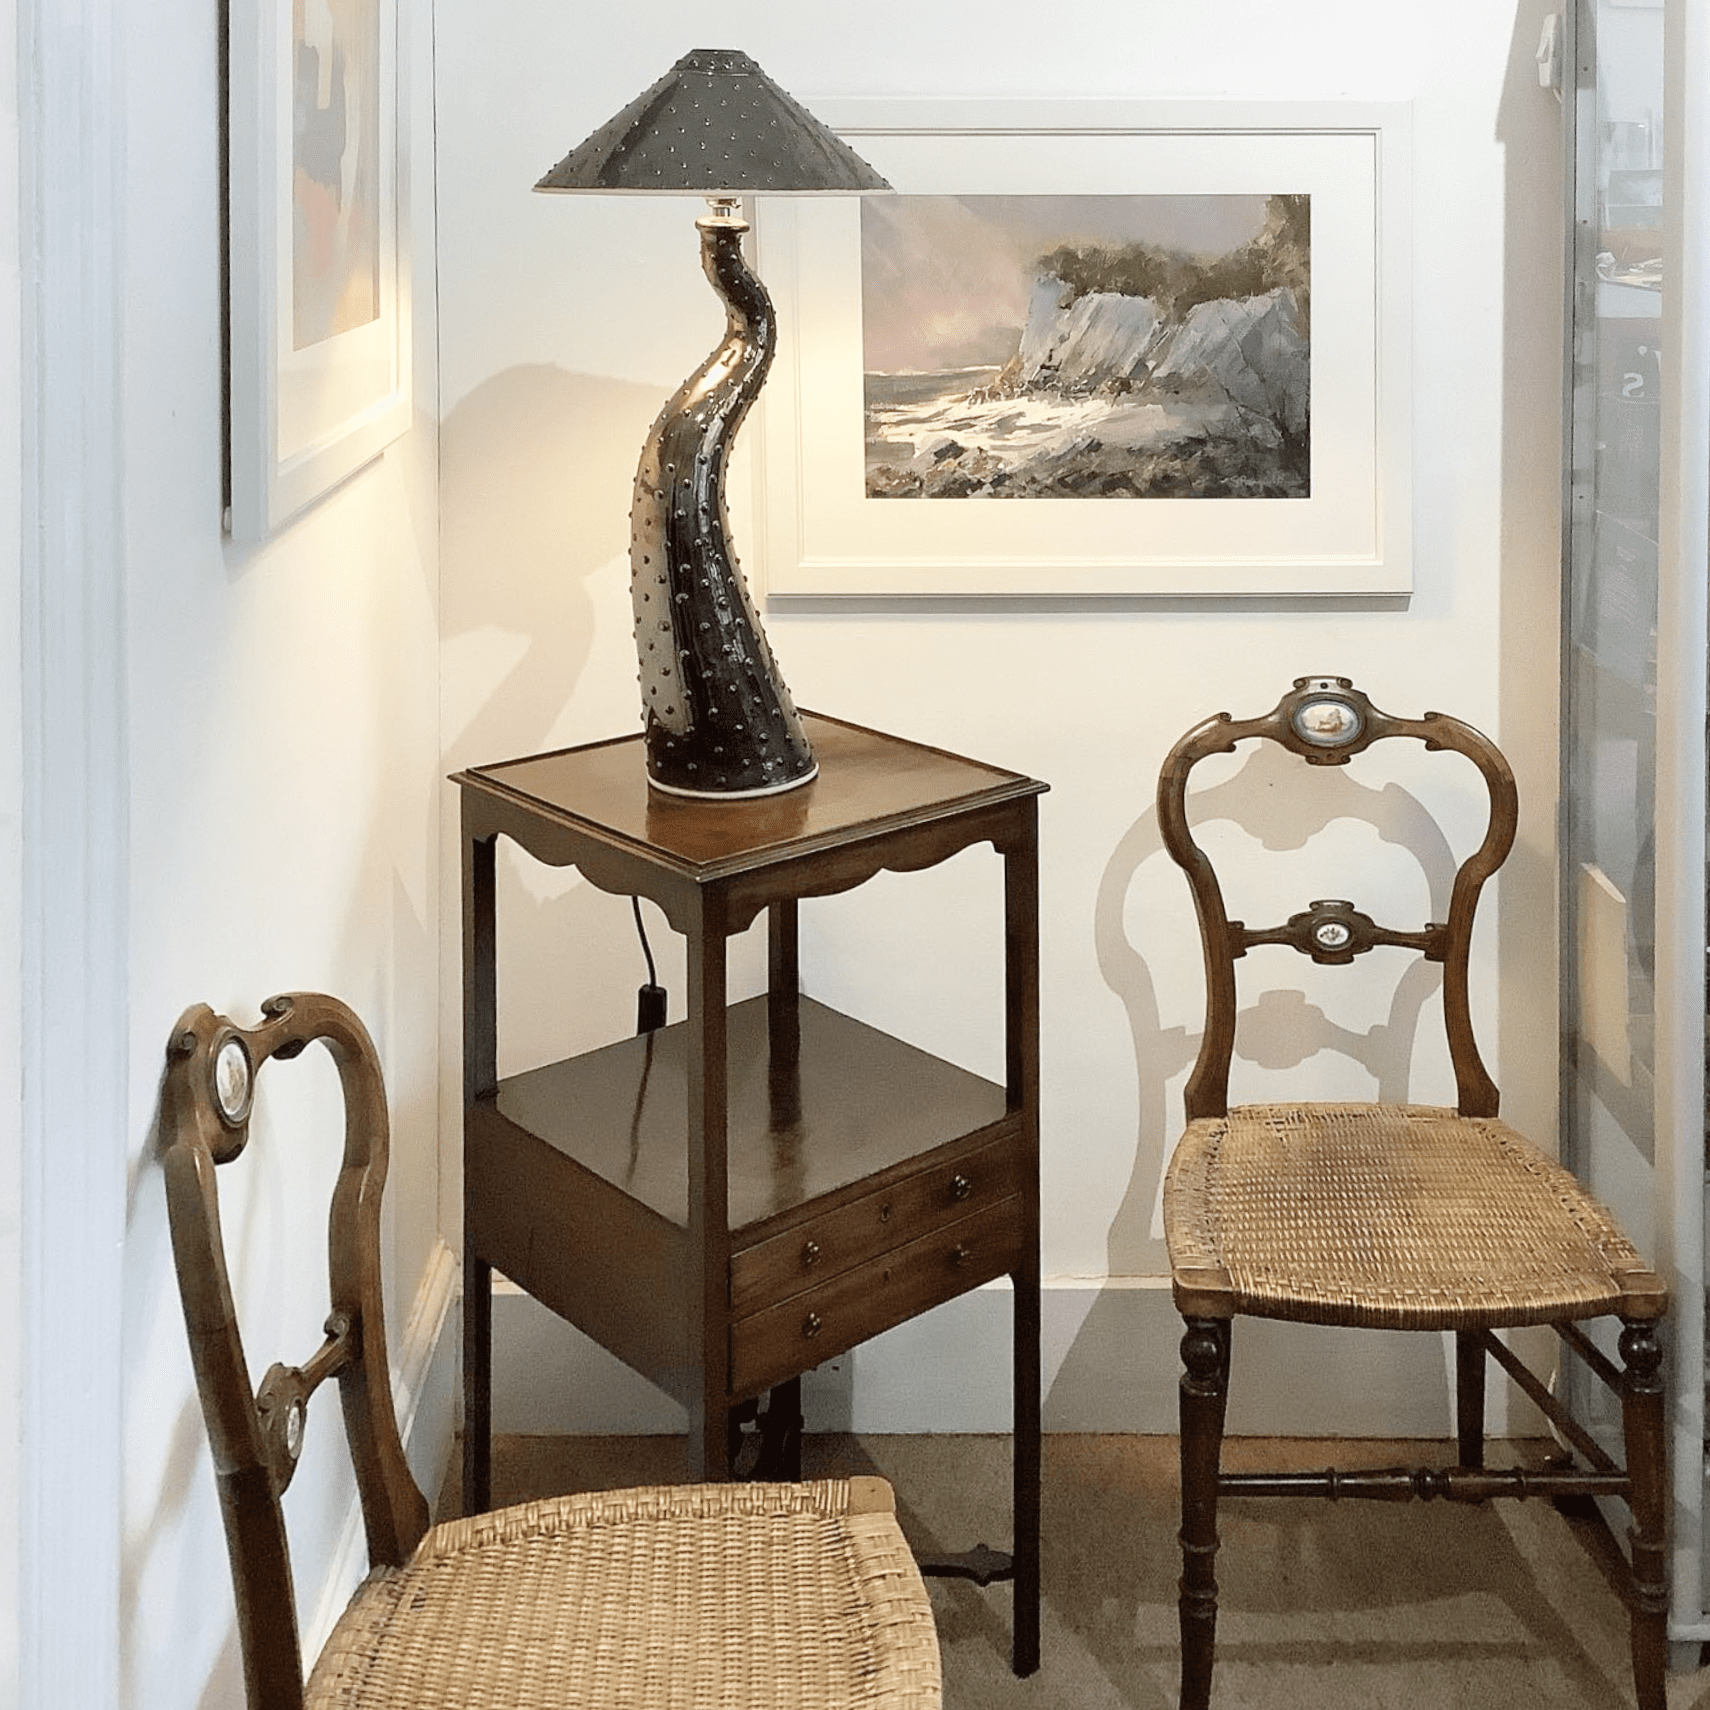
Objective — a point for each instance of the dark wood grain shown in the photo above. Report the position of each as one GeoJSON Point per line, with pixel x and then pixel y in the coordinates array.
{"type": "Point", "coordinates": [832, 1317]}
{"type": "Point", "coordinates": [1469, 1396]}
{"type": "Point", "coordinates": [599, 1258]}
{"type": "Point", "coordinates": [1224, 941]}
{"type": "Point", "coordinates": [868, 783]}
{"type": "Point", "coordinates": [955, 1182]}
{"type": "Point", "coordinates": [1204, 1402]}
{"type": "Point", "coordinates": [664, 1192]}
{"type": "Point", "coordinates": [253, 1439]}
{"type": "Point", "coordinates": [1021, 1034]}
{"type": "Point", "coordinates": [868, 1101]}
{"type": "Point", "coordinates": [1645, 1429]}
{"type": "Point", "coordinates": [480, 1073]}
{"type": "Point", "coordinates": [1334, 932]}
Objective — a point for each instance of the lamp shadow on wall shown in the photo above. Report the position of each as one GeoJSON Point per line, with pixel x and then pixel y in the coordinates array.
{"type": "Point", "coordinates": [1280, 1030]}
{"type": "Point", "coordinates": [536, 468]}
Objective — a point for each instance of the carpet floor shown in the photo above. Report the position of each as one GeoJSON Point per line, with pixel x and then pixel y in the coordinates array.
{"type": "Point", "coordinates": [1346, 1606]}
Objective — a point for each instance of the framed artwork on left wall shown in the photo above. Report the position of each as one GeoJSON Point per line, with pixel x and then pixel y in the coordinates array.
{"type": "Point", "coordinates": [318, 361]}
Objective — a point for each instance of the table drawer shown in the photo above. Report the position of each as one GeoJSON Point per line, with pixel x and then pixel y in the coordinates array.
{"type": "Point", "coordinates": [825, 1246]}
{"type": "Point", "coordinates": [784, 1340]}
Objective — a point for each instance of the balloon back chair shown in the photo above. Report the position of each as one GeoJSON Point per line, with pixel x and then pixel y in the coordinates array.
{"type": "Point", "coordinates": [1393, 1216]}
{"type": "Point", "coordinates": [774, 1594]}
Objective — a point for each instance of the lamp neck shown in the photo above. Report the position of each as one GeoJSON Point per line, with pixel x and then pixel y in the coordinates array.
{"type": "Point", "coordinates": [724, 213]}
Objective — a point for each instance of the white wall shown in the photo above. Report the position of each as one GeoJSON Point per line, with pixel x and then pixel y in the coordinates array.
{"type": "Point", "coordinates": [262, 761]}
{"type": "Point", "coordinates": [564, 324]}
{"type": "Point", "coordinates": [248, 744]}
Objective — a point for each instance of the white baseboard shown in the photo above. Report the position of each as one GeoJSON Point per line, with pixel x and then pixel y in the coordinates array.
{"type": "Point", "coordinates": [424, 1393]}
{"type": "Point", "coordinates": [1111, 1363]}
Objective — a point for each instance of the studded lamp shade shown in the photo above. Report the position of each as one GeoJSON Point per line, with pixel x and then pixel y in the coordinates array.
{"type": "Point", "coordinates": [714, 124]}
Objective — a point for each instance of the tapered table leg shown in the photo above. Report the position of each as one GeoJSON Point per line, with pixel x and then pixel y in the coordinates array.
{"type": "Point", "coordinates": [480, 1076]}
{"type": "Point", "coordinates": [1021, 1027]}
{"type": "Point", "coordinates": [477, 1386]}
{"type": "Point", "coordinates": [709, 1214]}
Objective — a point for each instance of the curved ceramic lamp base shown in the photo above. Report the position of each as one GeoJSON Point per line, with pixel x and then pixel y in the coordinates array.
{"type": "Point", "coordinates": [719, 720]}
{"type": "Point", "coordinates": [736, 795]}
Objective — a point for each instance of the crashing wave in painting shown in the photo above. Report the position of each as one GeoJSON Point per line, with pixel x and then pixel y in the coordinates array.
{"type": "Point", "coordinates": [1087, 347]}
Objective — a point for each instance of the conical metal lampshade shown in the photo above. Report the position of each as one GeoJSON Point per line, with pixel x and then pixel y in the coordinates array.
{"type": "Point", "coordinates": [714, 124]}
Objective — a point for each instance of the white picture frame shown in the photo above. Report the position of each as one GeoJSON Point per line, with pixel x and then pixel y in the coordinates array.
{"type": "Point", "coordinates": [318, 351]}
{"type": "Point", "coordinates": [822, 536]}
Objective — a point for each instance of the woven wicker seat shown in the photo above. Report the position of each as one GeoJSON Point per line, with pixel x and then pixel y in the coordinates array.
{"type": "Point", "coordinates": [723, 1596]}
{"type": "Point", "coordinates": [1390, 1216]}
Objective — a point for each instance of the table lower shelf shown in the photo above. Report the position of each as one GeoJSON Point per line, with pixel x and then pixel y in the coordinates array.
{"type": "Point", "coordinates": [868, 1181]}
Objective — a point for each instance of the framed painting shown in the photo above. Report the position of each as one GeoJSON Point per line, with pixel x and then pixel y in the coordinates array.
{"type": "Point", "coordinates": [318, 371]}
{"type": "Point", "coordinates": [1094, 349]}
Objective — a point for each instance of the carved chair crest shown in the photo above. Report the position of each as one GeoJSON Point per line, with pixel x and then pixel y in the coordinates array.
{"type": "Point", "coordinates": [1326, 721]}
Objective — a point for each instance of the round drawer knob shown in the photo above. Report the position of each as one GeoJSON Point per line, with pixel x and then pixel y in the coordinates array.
{"type": "Point", "coordinates": [963, 1256]}
{"type": "Point", "coordinates": [812, 1325]}
{"type": "Point", "coordinates": [810, 1253]}
{"type": "Point", "coordinates": [960, 1186]}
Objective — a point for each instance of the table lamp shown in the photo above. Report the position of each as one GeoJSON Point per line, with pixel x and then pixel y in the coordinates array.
{"type": "Point", "coordinates": [718, 720]}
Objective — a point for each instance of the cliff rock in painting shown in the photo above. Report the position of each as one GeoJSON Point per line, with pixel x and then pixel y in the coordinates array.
{"type": "Point", "coordinates": [1139, 373]}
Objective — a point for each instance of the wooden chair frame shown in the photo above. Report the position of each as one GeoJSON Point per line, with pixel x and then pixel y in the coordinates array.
{"type": "Point", "coordinates": [256, 1437]}
{"type": "Point", "coordinates": [1325, 721]}
{"type": "Point", "coordinates": [608, 1598]}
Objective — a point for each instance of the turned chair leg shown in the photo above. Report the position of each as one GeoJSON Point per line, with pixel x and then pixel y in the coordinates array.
{"type": "Point", "coordinates": [1642, 1417]}
{"type": "Point", "coordinates": [1204, 1397]}
{"type": "Point", "coordinates": [1469, 1396]}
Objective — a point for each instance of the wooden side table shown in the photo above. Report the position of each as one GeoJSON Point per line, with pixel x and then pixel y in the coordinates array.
{"type": "Point", "coordinates": [734, 1199]}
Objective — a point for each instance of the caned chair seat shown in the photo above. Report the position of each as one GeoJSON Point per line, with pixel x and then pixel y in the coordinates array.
{"type": "Point", "coordinates": [793, 1596]}
{"type": "Point", "coordinates": [1388, 1216]}
{"type": "Point", "coordinates": [693, 1597]}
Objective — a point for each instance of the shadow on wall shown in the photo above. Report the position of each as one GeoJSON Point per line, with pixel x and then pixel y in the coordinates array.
{"type": "Point", "coordinates": [1281, 1029]}
{"type": "Point", "coordinates": [536, 467]}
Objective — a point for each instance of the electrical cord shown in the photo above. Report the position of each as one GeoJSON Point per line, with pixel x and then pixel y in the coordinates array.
{"type": "Point", "coordinates": [652, 1002]}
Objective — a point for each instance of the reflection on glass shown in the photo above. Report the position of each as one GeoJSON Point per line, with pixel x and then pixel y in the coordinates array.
{"type": "Point", "coordinates": [1616, 455]}
{"type": "Point", "coordinates": [335, 179]}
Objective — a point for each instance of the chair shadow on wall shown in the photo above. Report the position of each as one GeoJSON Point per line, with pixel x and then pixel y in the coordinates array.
{"type": "Point", "coordinates": [1104, 1369]}
{"type": "Point", "coordinates": [1283, 1029]}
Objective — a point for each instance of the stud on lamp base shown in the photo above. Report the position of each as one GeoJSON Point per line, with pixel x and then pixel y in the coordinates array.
{"type": "Point", "coordinates": [719, 720]}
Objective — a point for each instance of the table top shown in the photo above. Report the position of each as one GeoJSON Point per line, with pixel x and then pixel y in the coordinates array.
{"type": "Point", "coordinates": [868, 783]}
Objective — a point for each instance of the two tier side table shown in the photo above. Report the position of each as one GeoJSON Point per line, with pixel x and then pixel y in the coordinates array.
{"type": "Point", "coordinates": [732, 1200]}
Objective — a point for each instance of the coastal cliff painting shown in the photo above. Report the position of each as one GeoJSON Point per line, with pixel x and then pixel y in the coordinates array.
{"type": "Point", "coordinates": [1087, 347]}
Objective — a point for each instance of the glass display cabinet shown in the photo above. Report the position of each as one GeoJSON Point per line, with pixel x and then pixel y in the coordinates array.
{"type": "Point", "coordinates": [1636, 494]}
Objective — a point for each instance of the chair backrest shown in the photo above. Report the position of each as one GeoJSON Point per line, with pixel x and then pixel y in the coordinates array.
{"type": "Point", "coordinates": [1326, 721]}
{"type": "Point", "coordinates": [256, 1437]}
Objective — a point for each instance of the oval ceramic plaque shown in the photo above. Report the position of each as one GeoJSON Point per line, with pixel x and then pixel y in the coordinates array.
{"type": "Point", "coordinates": [1326, 722]}
{"type": "Point", "coordinates": [232, 1079]}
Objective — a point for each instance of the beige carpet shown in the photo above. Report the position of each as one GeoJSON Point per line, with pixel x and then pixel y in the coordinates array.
{"type": "Point", "coordinates": [1351, 1606]}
